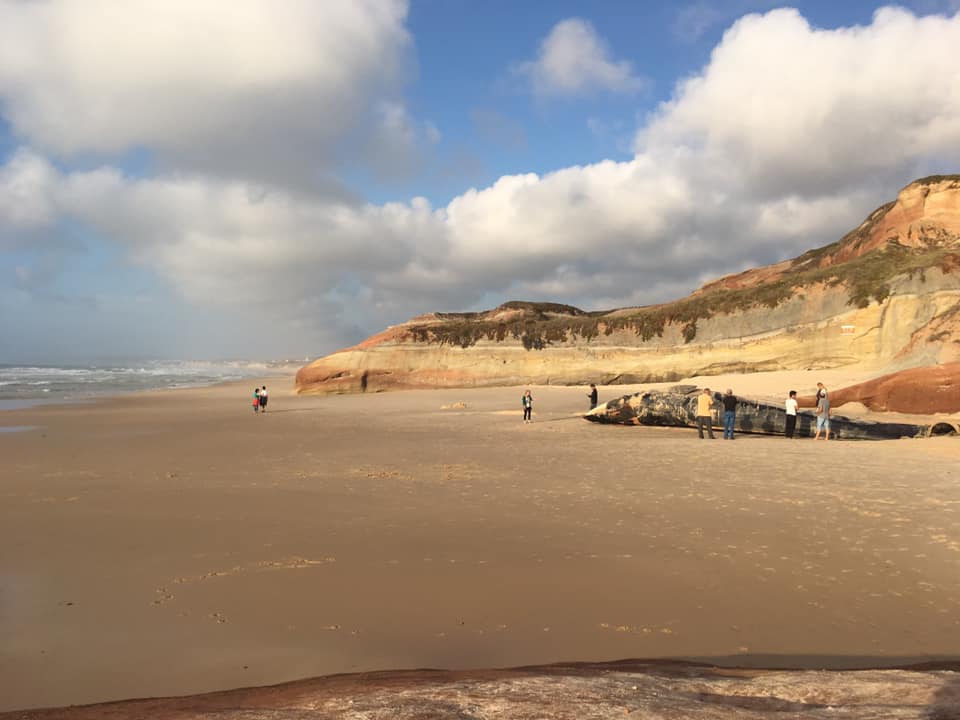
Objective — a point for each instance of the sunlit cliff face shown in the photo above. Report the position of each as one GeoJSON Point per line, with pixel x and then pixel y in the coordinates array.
{"type": "Point", "coordinates": [884, 296]}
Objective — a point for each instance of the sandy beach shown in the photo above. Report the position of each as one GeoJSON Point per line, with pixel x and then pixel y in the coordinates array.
{"type": "Point", "coordinates": [173, 542]}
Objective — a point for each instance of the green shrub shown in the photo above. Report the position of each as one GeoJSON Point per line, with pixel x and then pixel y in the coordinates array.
{"type": "Point", "coordinates": [867, 278]}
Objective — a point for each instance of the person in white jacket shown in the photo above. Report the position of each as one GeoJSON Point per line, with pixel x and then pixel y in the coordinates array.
{"type": "Point", "coordinates": [791, 410]}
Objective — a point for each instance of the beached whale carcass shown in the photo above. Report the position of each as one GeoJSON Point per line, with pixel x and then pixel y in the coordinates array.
{"type": "Point", "coordinates": [677, 407]}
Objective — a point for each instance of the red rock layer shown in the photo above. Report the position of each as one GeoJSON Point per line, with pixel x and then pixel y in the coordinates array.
{"type": "Point", "coordinates": [925, 391]}
{"type": "Point", "coordinates": [926, 213]}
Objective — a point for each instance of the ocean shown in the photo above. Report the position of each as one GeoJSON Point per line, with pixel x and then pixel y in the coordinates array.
{"type": "Point", "coordinates": [27, 385]}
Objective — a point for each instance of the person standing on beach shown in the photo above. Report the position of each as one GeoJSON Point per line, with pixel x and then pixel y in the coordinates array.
{"type": "Point", "coordinates": [729, 414]}
{"type": "Point", "coordinates": [263, 399]}
{"type": "Point", "coordinates": [256, 399]}
{"type": "Point", "coordinates": [705, 413]}
{"type": "Point", "coordinates": [527, 402]}
{"type": "Point", "coordinates": [593, 396]}
{"type": "Point", "coordinates": [791, 409]}
{"type": "Point", "coordinates": [823, 412]}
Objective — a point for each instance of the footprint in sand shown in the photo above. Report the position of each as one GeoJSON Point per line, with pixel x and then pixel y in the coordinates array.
{"type": "Point", "coordinates": [163, 596]}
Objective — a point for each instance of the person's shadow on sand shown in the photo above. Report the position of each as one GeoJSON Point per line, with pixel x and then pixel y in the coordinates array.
{"type": "Point", "coordinates": [946, 700]}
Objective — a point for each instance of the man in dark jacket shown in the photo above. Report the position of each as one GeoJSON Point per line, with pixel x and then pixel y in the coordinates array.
{"type": "Point", "coordinates": [729, 414]}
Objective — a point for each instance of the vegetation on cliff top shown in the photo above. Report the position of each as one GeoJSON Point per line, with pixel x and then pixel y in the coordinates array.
{"type": "Point", "coordinates": [540, 309]}
{"type": "Point", "coordinates": [934, 179]}
{"type": "Point", "coordinates": [853, 240]}
{"type": "Point", "coordinates": [866, 278]}
{"type": "Point", "coordinates": [866, 274]}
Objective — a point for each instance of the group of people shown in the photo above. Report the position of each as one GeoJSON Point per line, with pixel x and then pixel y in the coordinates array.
{"type": "Point", "coordinates": [704, 415]}
{"type": "Point", "coordinates": [705, 404]}
{"type": "Point", "coordinates": [823, 413]}
{"type": "Point", "coordinates": [260, 399]}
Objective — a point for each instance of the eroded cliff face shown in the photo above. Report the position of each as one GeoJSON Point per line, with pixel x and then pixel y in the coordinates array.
{"type": "Point", "coordinates": [886, 296]}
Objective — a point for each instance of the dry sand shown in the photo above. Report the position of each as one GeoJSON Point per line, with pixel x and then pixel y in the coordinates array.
{"type": "Point", "coordinates": [174, 543]}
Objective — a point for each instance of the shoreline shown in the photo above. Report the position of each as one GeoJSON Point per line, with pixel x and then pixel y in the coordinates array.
{"type": "Point", "coordinates": [764, 386]}
{"type": "Point", "coordinates": [116, 385]}
{"type": "Point", "coordinates": [14, 405]}
{"type": "Point", "coordinates": [167, 543]}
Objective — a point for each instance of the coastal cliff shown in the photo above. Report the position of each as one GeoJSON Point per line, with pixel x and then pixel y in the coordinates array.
{"type": "Point", "coordinates": [886, 296]}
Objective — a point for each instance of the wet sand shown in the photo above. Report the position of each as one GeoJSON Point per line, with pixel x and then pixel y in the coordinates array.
{"type": "Point", "coordinates": [174, 543]}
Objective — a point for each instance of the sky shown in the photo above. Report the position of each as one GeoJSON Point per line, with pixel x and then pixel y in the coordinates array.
{"type": "Point", "coordinates": [260, 179]}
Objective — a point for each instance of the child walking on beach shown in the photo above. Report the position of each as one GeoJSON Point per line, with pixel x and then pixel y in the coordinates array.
{"type": "Point", "coordinates": [263, 399]}
{"type": "Point", "coordinates": [791, 409]}
{"type": "Point", "coordinates": [256, 399]}
{"type": "Point", "coordinates": [527, 402]}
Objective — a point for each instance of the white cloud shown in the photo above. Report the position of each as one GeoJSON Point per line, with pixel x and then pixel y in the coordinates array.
{"type": "Point", "coordinates": [574, 60]}
{"type": "Point", "coordinates": [258, 88]}
{"type": "Point", "coordinates": [784, 141]}
{"type": "Point", "coordinates": [232, 244]}
{"type": "Point", "coordinates": [611, 230]}
{"type": "Point", "coordinates": [934, 6]}
{"type": "Point", "coordinates": [790, 108]}
{"type": "Point", "coordinates": [25, 182]}
{"type": "Point", "coordinates": [432, 133]}
{"type": "Point", "coordinates": [696, 19]}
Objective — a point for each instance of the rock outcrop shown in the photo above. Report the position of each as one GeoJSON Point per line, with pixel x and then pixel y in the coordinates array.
{"type": "Point", "coordinates": [580, 691]}
{"type": "Point", "coordinates": [886, 297]}
{"type": "Point", "coordinates": [925, 391]}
